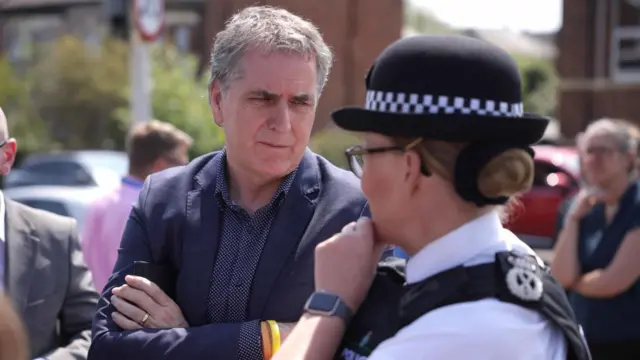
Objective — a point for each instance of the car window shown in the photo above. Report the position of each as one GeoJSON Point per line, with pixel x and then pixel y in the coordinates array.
{"type": "Point", "coordinates": [58, 173]}
{"type": "Point", "coordinates": [47, 205]}
{"type": "Point", "coordinates": [116, 162]}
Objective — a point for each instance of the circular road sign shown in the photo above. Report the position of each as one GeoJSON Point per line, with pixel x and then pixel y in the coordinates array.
{"type": "Point", "coordinates": [149, 18]}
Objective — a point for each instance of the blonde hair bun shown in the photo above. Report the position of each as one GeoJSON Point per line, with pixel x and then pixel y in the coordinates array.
{"type": "Point", "coordinates": [507, 174]}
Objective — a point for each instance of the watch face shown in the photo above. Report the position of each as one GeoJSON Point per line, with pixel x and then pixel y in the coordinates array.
{"type": "Point", "coordinates": [323, 302]}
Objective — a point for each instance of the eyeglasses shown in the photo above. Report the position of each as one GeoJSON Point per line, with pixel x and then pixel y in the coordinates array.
{"type": "Point", "coordinates": [3, 142]}
{"type": "Point", "coordinates": [599, 151]}
{"type": "Point", "coordinates": [355, 154]}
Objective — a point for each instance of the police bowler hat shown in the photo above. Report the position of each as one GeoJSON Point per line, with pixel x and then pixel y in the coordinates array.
{"type": "Point", "coordinates": [449, 88]}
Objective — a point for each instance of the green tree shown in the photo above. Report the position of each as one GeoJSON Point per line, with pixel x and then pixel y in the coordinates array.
{"type": "Point", "coordinates": [422, 21]}
{"type": "Point", "coordinates": [24, 121]}
{"type": "Point", "coordinates": [331, 144]}
{"type": "Point", "coordinates": [539, 84]}
{"type": "Point", "coordinates": [184, 103]}
{"type": "Point", "coordinates": [81, 93]}
{"type": "Point", "coordinates": [78, 90]}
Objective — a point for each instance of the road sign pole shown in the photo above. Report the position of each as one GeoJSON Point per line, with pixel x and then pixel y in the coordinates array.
{"type": "Point", "coordinates": [141, 80]}
{"type": "Point", "coordinates": [147, 23]}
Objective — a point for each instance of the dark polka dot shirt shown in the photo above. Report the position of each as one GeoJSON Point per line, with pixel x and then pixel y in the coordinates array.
{"type": "Point", "coordinates": [242, 239]}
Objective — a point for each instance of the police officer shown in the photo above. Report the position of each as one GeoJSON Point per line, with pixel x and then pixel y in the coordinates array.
{"type": "Point", "coordinates": [446, 143]}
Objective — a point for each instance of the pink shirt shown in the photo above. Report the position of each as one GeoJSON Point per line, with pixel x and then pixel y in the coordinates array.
{"type": "Point", "coordinates": [104, 225]}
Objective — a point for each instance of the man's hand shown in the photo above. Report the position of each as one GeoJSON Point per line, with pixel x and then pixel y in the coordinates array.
{"type": "Point", "coordinates": [345, 264]}
{"type": "Point", "coordinates": [142, 304]}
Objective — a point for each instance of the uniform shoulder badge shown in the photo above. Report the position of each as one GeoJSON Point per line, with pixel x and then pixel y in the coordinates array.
{"type": "Point", "coordinates": [524, 280]}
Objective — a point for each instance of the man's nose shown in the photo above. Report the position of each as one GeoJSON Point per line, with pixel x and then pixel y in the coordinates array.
{"type": "Point", "coordinates": [280, 119]}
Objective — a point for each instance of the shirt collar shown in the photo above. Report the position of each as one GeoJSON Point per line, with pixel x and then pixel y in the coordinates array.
{"type": "Point", "coordinates": [132, 182]}
{"type": "Point", "coordinates": [222, 184]}
{"type": "Point", "coordinates": [455, 248]}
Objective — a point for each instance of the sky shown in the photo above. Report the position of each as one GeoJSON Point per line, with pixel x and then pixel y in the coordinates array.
{"type": "Point", "coordinates": [521, 15]}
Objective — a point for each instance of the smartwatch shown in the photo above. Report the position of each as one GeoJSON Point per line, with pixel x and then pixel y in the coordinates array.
{"type": "Point", "coordinates": [327, 304]}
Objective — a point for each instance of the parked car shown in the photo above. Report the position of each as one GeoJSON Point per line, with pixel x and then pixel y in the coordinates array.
{"type": "Point", "coordinates": [70, 168]}
{"type": "Point", "coordinates": [62, 200]}
{"type": "Point", "coordinates": [557, 174]}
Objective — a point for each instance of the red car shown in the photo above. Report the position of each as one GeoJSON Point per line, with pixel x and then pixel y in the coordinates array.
{"type": "Point", "coordinates": [557, 174]}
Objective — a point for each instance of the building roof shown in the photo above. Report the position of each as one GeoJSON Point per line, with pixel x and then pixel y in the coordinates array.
{"type": "Point", "coordinates": [26, 4]}
{"type": "Point", "coordinates": [518, 43]}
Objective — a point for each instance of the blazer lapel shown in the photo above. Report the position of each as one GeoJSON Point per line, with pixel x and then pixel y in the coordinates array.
{"type": "Point", "coordinates": [21, 249]}
{"type": "Point", "coordinates": [286, 232]}
{"type": "Point", "coordinates": [200, 243]}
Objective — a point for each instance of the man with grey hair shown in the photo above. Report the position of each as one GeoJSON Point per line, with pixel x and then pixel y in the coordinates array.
{"type": "Point", "coordinates": [228, 240]}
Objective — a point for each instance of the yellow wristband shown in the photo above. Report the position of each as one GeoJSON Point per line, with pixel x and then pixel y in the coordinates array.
{"type": "Point", "coordinates": [275, 336]}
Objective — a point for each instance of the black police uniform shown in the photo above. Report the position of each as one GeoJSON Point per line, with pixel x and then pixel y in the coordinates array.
{"type": "Point", "coordinates": [514, 278]}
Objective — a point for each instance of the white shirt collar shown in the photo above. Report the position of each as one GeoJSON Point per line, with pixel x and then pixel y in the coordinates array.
{"type": "Point", "coordinates": [456, 248]}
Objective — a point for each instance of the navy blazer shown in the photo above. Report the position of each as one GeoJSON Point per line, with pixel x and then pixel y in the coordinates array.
{"type": "Point", "coordinates": [176, 222]}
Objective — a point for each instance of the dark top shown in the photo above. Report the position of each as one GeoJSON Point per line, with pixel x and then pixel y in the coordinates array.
{"type": "Point", "coordinates": [177, 222]}
{"type": "Point", "coordinates": [242, 238]}
{"type": "Point", "coordinates": [616, 318]}
{"type": "Point", "coordinates": [377, 318]}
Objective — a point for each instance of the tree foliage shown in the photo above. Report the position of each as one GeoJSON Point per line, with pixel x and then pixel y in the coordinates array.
{"type": "Point", "coordinates": [184, 103]}
{"type": "Point", "coordinates": [77, 97]}
{"type": "Point", "coordinates": [331, 144]}
{"type": "Point", "coordinates": [539, 84]}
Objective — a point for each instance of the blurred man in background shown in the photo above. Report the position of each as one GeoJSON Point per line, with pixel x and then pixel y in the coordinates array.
{"type": "Point", "coordinates": [43, 272]}
{"type": "Point", "coordinates": [151, 147]}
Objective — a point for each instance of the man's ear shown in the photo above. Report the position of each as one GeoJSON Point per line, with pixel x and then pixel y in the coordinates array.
{"type": "Point", "coordinates": [9, 151]}
{"type": "Point", "coordinates": [215, 100]}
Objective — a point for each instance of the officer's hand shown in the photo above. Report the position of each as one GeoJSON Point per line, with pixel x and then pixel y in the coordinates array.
{"type": "Point", "coordinates": [345, 264]}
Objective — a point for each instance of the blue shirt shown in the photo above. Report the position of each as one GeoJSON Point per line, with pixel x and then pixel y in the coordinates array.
{"type": "Point", "coordinates": [616, 318]}
{"type": "Point", "coordinates": [241, 240]}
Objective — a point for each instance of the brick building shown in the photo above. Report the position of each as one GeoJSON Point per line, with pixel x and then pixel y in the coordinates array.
{"type": "Point", "coordinates": [357, 30]}
{"type": "Point", "coordinates": [598, 62]}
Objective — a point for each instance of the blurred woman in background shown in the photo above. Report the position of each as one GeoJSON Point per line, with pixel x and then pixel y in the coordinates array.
{"type": "Point", "coordinates": [13, 341]}
{"type": "Point", "coordinates": [597, 255]}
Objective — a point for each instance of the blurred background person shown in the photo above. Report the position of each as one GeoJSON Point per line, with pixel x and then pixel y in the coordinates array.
{"type": "Point", "coordinates": [151, 147]}
{"type": "Point", "coordinates": [598, 248]}
{"type": "Point", "coordinates": [13, 339]}
{"type": "Point", "coordinates": [634, 131]}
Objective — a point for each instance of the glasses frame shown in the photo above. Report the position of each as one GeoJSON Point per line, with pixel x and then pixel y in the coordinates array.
{"type": "Point", "coordinates": [358, 150]}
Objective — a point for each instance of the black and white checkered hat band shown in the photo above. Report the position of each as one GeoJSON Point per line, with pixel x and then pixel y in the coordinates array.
{"type": "Point", "coordinates": [404, 103]}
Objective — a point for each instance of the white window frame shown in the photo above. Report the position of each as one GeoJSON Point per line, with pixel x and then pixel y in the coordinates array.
{"type": "Point", "coordinates": [618, 34]}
